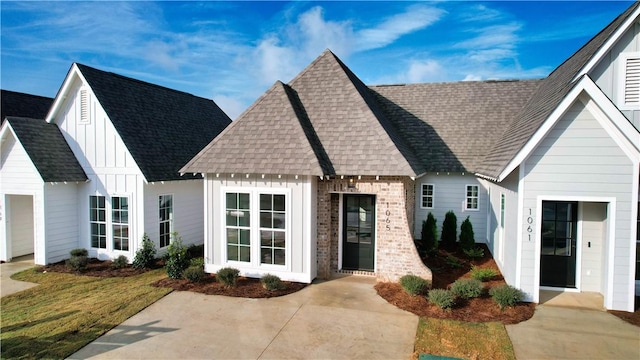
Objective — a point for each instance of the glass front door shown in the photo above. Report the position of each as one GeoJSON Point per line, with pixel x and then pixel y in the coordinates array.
{"type": "Point", "coordinates": [558, 252]}
{"type": "Point", "coordinates": [358, 232]}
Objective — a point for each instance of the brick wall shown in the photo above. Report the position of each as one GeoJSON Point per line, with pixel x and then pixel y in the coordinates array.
{"type": "Point", "coordinates": [396, 254]}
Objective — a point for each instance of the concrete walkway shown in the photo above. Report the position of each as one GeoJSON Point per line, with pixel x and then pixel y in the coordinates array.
{"type": "Point", "coordinates": [572, 333]}
{"type": "Point", "coordinates": [9, 286]}
{"type": "Point", "coordinates": [339, 319]}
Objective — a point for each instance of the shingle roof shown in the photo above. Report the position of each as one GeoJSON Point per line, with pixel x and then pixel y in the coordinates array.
{"type": "Point", "coordinates": [452, 126]}
{"type": "Point", "coordinates": [47, 149]}
{"type": "Point", "coordinates": [23, 105]}
{"type": "Point", "coordinates": [162, 128]}
{"type": "Point", "coordinates": [551, 92]}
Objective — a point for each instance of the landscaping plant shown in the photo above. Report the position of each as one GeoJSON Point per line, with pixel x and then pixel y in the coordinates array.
{"type": "Point", "coordinates": [146, 254]}
{"type": "Point", "coordinates": [467, 240]}
{"type": "Point", "coordinates": [444, 299]}
{"type": "Point", "coordinates": [482, 274]}
{"type": "Point", "coordinates": [467, 288]}
{"type": "Point", "coordinates": [506, 295]}
{"type": "Point", "coordinates": [453, 261]}
{"type": "Point", "coordinates": [194, 273]}
{"type": "Point", "coordinates": [474, 253]}
{"type": "Point", "coordinates": [429, 234]}
{"type": "Point", "coordinates": [120, 262]}
{"type": "Point", "coordinates": [271, 282]}
{"type": "Point", "coordinates": [414, 285]}
{"type": "Point", "coordinates": [79, 260]}
{"type": "Point", "coordinates": [228, 276]}
{"type": "Point", "coordinates": [176, 259]}
{"type": "Point", "coordinates": [449, 230]}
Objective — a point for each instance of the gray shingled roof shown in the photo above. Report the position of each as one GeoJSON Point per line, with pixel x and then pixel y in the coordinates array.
{"type": "Point", "coordinates": [551, 92]}
{"type": "Point", "coordinates": [47, 149]}
{"type": "Point", "coordinates": [162, 128]}
{"type": "Point", "coordinates": [442, 121]}
{"type": "Point", "coordinates": [23, 105]}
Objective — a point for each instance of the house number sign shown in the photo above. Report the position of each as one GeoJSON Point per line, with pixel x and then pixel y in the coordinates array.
{"type": "Point", "coordinates": [530, 224]}
{"type": "Point", "coordinates": [386, 218]}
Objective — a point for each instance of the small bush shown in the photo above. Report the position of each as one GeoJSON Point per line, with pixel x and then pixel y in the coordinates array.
{"type": "Point", "coordinates": [146, 254]}
{"type": "Point", "coordinates": [271, 282]}
{"type": "Point", "coordinates": [79, 252]}
{"type": "Point", "coordinates": [453, 261]}
{"type": "Point", "coordinates": [449, 230]}
{"type": "Point", "coordinates": [467, 288]}
{"type": "Point", "coordinates": [228, 276]}
{"type": "Point", "coordinates": [483, 275]}
{"type": "Point", "coordinates": [120, 262]}
{"type": "Point", "coordinates": [506, 295]}
{"type": "Point", "coordinates": [176, 259]}
{"type": "Point", "coordinates": [414, 285]}
{"type": "Point", "coordinates": [444, 299]}
{"type": "Point", "coordinates": [429, 234]}
{"type": "Point", "coordinates": [77, 263]}
{"type": "Point", "coordinates": [474, 253]}
{"type": "Point", "coordinates": [199, 261]}
{"type": "Point", "coordinates": [195, 251]}
{"type": "Point", "coordinates": [193, 273]}
{"type": "Point", "coordinates": [467, 239]}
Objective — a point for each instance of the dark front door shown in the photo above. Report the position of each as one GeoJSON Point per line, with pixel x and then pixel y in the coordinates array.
{"type": "Point", "coordinates": [358, 232]}
{"type": "Point", "coordinates": [558, 253]}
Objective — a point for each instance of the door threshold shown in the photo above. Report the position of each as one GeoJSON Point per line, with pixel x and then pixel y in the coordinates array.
{"type": "Point", "coordinates": [356, 272]}
{"type": "Point", "coordinates": [559, 289]}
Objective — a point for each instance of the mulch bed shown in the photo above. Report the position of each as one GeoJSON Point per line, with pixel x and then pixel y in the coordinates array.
{"type": "Point", "coordinates": [481, 309]}
{"type": "Point", "coordinates": [98, 268]}
{"type": "Point", "coordinates": [630, 317]}
{"type": "Point", "coordinates": [245, 287]}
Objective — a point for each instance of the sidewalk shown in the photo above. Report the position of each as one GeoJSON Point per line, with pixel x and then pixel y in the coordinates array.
{"type": "Point", "coordinates": [9, 286]}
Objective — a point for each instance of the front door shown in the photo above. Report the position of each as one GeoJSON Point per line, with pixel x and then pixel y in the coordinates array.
{"type": "Point", "coordinates": [558, 252]}
{"type": "Point", "coordinates": [358, 232]}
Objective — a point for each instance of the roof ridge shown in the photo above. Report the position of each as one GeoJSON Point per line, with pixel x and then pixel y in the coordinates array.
{"type": "Point", "coordinates": [23, 93]}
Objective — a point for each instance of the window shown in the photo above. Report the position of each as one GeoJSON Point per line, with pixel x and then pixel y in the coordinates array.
{"type": "Point", "coordinates": [238, 227]}
{"type": "Point", "coordinates": [165, 206]}
{"type": "Point", "coordinates": [472, 197]}
{"type": "Point", "coordinates": [272, 229]}
{"type": "Point", "coordinates": [120, 222]}
{"type": "Point", "coordinates": [630, 81]}
{"type": "Point", "coordinates": [559, 223]}
{"type": "Point", "coordinates": [427, 196]}
{"type": "Point", "coordinates": [502, 206]}
{"type": "Point", "coordinates": [98, 222]}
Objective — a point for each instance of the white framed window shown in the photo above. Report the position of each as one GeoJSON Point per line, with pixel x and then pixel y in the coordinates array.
{"type": "Point", "coordinates": [98, 221]}
{"type": "Point", "coordinates": [503, 205]}
{"type": "Point", "coordinates": [165, 219]}
{"type": "Point", "coordinates": [426, 196]}
{"type": "Point", "coordinates": [238, 226]}
{"type": "Point", "coordinates": [472, 201]}
{"type": "Point", "coordinates": [120, 222]}
{"type": "Point", "coordinates": [273, 229]}
{"type": "Point", "coordinates": [629, 81]}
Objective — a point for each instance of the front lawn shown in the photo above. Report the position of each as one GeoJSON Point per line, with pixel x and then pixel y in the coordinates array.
{"type": "Point", "coordinates": [67, 311]}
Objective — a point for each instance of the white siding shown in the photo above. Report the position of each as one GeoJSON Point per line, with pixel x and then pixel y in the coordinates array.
{"type": "Point", "coordinates": [302, 259]}
{"type": "Point", "coordinates": [21, 226]}
{"type": "Point", "coordinates": [578, 159]}
{"type": "Point", "coordinates": [61, 220]}
{"type": "Point", "coordinates": [450, 194]}
{"type": "Point", "coordinates": [607, 73]}
{"type": "Point", "coordinates": [188, 206]}
{"type": "Point", "coordinates": [593, 242]}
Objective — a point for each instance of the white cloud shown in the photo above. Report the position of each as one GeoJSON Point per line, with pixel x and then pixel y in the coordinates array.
{"type": "Point", "coordinates": [424, 71]}
{"type": "Point", "coordinates": [232, 106]}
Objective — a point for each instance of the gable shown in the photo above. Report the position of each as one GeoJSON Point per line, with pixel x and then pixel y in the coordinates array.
{"type": "Point", "coordinates": [16, 168]}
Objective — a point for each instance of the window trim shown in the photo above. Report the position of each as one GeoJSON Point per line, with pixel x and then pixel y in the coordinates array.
{"type": "Point", "coordinates": [621, 80]}
{"type": "Point", "coordinates": [254, 240]}
{"type": "Point", "coordinates": [113, 223]}
{"type": "Point", "coordinates": [170, 221]}
{"type": "Point", "coordinates": [105, 222]}
{"type": "Point", "coordinates": [422, 196]}
{"type": "Point", "coordinates": [467, 197]}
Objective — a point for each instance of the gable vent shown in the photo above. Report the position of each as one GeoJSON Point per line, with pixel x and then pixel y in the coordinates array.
{"type": "Point", "coordinates": [84, 107]}
{"type": "Point", "coordinates": [632, 82]}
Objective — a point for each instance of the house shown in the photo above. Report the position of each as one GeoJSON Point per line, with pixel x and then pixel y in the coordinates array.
{"type": "Point", "coordinates": [101, 169]}
{"type": "Point", "coordinates": [325, 174]}
{"type": "Point", "coordinates": [13, 103]}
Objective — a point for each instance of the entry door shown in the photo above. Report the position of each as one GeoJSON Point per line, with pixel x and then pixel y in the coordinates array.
{"type": "Point", "coordinates": [358, 232]}
{"type": "Point", "coordinates": [558, 253]}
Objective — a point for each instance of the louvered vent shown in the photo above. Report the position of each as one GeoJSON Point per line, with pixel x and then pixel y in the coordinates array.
{"type": "Point", "coordinates": [632, 82]}
{"type": "Point", "coordinates": [84, 107]}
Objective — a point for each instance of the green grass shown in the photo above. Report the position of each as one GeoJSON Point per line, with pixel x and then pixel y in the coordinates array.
{"type": "Point", "coordinates": [465, 340]}
{"type": "Point", "coordinates": [66, 311]}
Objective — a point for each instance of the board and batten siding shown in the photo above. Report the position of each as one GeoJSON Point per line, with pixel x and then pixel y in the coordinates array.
{"type": "Point", "coordinates": [108, 164]}
{"type": "Point", "coordinates": [579, 160]}
{"type": "Point", "coordinates": [188, 210]}
{"type": "Point", "coordinates": [61, 220]}
{"type": "Point", "coordinates": [19, 176]}
{"type": "Point", "coordinates": [608, 75]}
{"type": "Point", "coordinates": [302, 231]}
{"type": "Point", "coordinates": [450, 194]}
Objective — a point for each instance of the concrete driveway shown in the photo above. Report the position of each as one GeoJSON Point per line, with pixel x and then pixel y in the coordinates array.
{"type": "Point", "coordinates": [339, 319]}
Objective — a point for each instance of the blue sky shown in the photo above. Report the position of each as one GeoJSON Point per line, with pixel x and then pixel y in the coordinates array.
{"type": "Point", "coordinates": [233, 51]}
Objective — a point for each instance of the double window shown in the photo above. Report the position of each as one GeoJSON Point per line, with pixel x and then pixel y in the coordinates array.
{"type": "Point", "coordinates": [426, 197]}
{"type": "Point", "coordinates": [119, 221]}
{"type": "Point", "coordinates": [165, 206]}
{"type": "Point", "coordinates": [472, 197]}
{"type": "Point", "coordinates": [256, 227]}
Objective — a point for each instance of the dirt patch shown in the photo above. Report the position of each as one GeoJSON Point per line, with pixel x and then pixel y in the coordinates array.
{"type": "Point", "coordinates": [98, 268]}
{"type": "Point", "coordinates": [630, 317]}
{"type": "Point", "coordinates": [245, 287]}
{"type": "Point", "coordinates": [447, 267]}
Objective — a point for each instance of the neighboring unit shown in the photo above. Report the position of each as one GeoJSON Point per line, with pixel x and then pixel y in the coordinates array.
{"type": "Point", "coordinates": [101, 169]}
{"type": "Point", "coordinates": [325, 174]}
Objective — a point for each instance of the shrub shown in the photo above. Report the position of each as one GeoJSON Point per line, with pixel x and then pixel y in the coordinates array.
{"type": "Point", "coordinates": [506, 295]}
{"type": "Point", "coordinates": [474, 253]}
{"type": "Point", "coordinates": [199, 261]}
{"type": "Point", "coordinates": [453, 261]}
{"type": "Point", "coordinates": [120, 262]}
{"type": "Point", "coordinates": [467, 240]}
{"type": "Point", "coordinates": [271, 282]}
{"type": "Point", "coordinates": [429, 234]}
{"type": "Point", "coordinates": [193, 273]}
{"type": "Point", "coordinates": [146, 254]}
{"type": "Point", "coordinates": [414, 285]}
{"type": "Point", "coordinates": [449, 229]}
{"type": "Point", "coordinates": [467, 288]}
{"type": "Point", "coordinates": [483, 274]}
{"type": "Point", "coordinates": [79, 252]}
{"type": "Point", "coordinates": [228, 276]}
{"type": "Point", "coordinates": [176, 259]}
{"type": "Point", "coordinates": [77, 263]}
{"type": "Point", "coordinates": [444, 299]}
{"type": "Point", "coordinates": [195, 251]}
